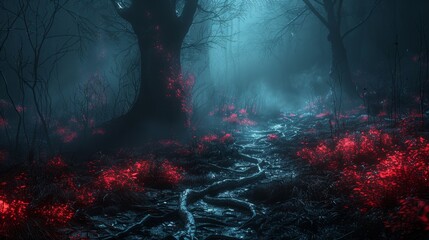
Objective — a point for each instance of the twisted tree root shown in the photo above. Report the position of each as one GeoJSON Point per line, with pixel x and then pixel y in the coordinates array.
{"type": "Point", "coordinates": [252, 169]}
{"type": "Point", "coordinates": [148, 220]}
{"type": "Point", "coordinates": [190, 196]}
{"type": "Point", "coordinates": [233, 203]}
{"type": "Point", "coordinates": [248, 158]}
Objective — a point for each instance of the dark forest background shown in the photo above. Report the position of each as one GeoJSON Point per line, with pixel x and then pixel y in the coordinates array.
{"type": "Point", "coordinates": [73, 66]}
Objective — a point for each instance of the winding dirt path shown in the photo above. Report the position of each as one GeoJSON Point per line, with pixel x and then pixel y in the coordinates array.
{"type": "Point", "coordinates": [212, 211]}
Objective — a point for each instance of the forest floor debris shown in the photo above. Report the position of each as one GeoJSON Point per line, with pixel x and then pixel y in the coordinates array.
{"type": "Point", "coordinates": [277, 179]}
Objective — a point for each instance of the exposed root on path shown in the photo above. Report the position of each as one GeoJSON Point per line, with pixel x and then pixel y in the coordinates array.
{"type": "Point", "coordinates": [233, 203]}
{"type": "Point", "coordinates": [190, 196]}
{"type": "Point", "coordinates": [148, 220]}
{"type": "Point", "coordinates": [250, 170]}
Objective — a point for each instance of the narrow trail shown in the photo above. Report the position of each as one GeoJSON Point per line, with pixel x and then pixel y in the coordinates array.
{"type": "Point", "coordinates": [219, 210]}
{"type": "Point", "coordinates": [223, 212]}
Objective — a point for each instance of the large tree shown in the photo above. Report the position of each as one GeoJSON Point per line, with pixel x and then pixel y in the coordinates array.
{"type": "Point", "coordinates": [161, 103]}
{"type": "Point", "coordinates": [330, 14]}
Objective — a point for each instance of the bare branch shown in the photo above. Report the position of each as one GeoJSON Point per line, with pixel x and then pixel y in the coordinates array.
{"type": "Point", "coordinates": [363, 20]}
{"type": "Point", "coordinates": [315, 12]}
{"type": "Point", "coordinates": [292, 21]}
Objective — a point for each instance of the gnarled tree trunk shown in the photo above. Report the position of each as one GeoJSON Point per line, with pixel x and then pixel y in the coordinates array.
{"type": "Point", "coordinates": [161, 104]}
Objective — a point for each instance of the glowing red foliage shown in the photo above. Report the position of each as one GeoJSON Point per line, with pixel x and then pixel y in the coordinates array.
{"type": "Point", "coordinates": [316, 156]}
{"type": "Point", "coordinates": [206, 141]}
{"type": "Point", "coordinates": [56, 214]}
{"type": "Point", "coordinates": [382, 114]}
{"type": "Point", "coordinates": [171, 173]}
{"type": "Point", "coordinates": [378, 169]}
{"type": "Point", "coordinates": [227, 138]}
{"type": "Point", "coordinates": [131, 177]}
{"type": "Point", "coordinates": [412, 215]}
{"type": "Point", "coordinates": [98, 131]}
{"type": "Point", "coordinates": [347, 147]}
{"type": "Point", "coordinates": [170, 142]}
{"type": "Point", "coordinates": [322, 115]}
{"type": "Point", "coordinates": [233, 118]}
{"type": "Point", "coordinates": [272, 137]}
{"type": "Point", "coordinates": [56, 162]}
{"type": "Point", "coordinates": [12, 212]}
{"type": "Point", "coordinates": [200, 148]}
{"type": "Point", "coordinates": [85, 196]}
{"type": "Point", "coordinates": [67, 135]}
{"type": "Point", "coordinates": [181, 88]}
{"type": "Point", "coordinates": [243, 112]}
{"type": "Point", "coordinates": [3, 122]}
{"type": "Point", "coordinates": [247, 122]}
{"type": "Point", "coordinates": [209, 138]}
{"type": "Point", "coordinates": [122, 178]}
{"type": "Point", "coordinates": [20, 108]}
{"type": "Point", "coordinates": [19, 184]}
{"type": "Point", "coordinates": [231, 107]}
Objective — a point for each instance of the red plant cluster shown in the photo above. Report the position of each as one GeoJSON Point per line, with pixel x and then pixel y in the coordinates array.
{"type": "Point", "coordinates": [132, 177]}
{"type": "Point", "coordinates": [235, 118]}
{"type": "Point", "coordinates": [411, 212]}
{"type": "Point", "coordinates": [117, 178]}
{"type": "Point", "coordinates": [12, 212]}
{"type": "Point", "coordinates": [227, 138]}
{"type": "Point", "coordinates": [13, 204]}
{"type": "Point", "coordinates": [171, 173]}
{"type": "Point", "coordinates": [323, 114]}
{"type": "Point", "coordinates": [20, 108]}
{"type": "Point", "coordinates": [3, 122]}
{"type": "Point", "coordinates": [16, 206]}
{"type": "Point", "coordinates": [272, 137]}
{"type": "Point", "coordinates": [231, 114]}
{"type": "Point", "coordinates": [58, 169]}
{"type": "Point", "coordinates": [98, 131]}
{"type": "Point", "coordinates": [349, 150]}
{"type": "Point", "coordinates": [56, 214]}
{"type": "Point", "coordinates": [56, 163]}
{"type": "Point", "coordinates": [378, 169]}
{"type": "Point", "coordinates": [181, 88]}
{"type": "Point", "coordinates": [66, 134]}
{"type": "Point", "coordinates": [207, 140]}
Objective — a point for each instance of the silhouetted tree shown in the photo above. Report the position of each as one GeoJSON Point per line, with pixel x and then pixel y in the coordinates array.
{"type": "Point", "coordinates": [329, 12]}
{"type": "Point", "coordinates": [160, 31]}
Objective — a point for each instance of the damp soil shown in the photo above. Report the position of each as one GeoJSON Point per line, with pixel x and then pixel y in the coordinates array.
{"type": "Point", "coordinates": [290, 200]}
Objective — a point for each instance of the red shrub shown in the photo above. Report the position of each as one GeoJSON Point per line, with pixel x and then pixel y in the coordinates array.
{"type": "Point", "coordinates": [12, 212]}
{"type": "Point", "coordinates": [377, 169]}
{"type": "Point", "coordinates": [56, 214]}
